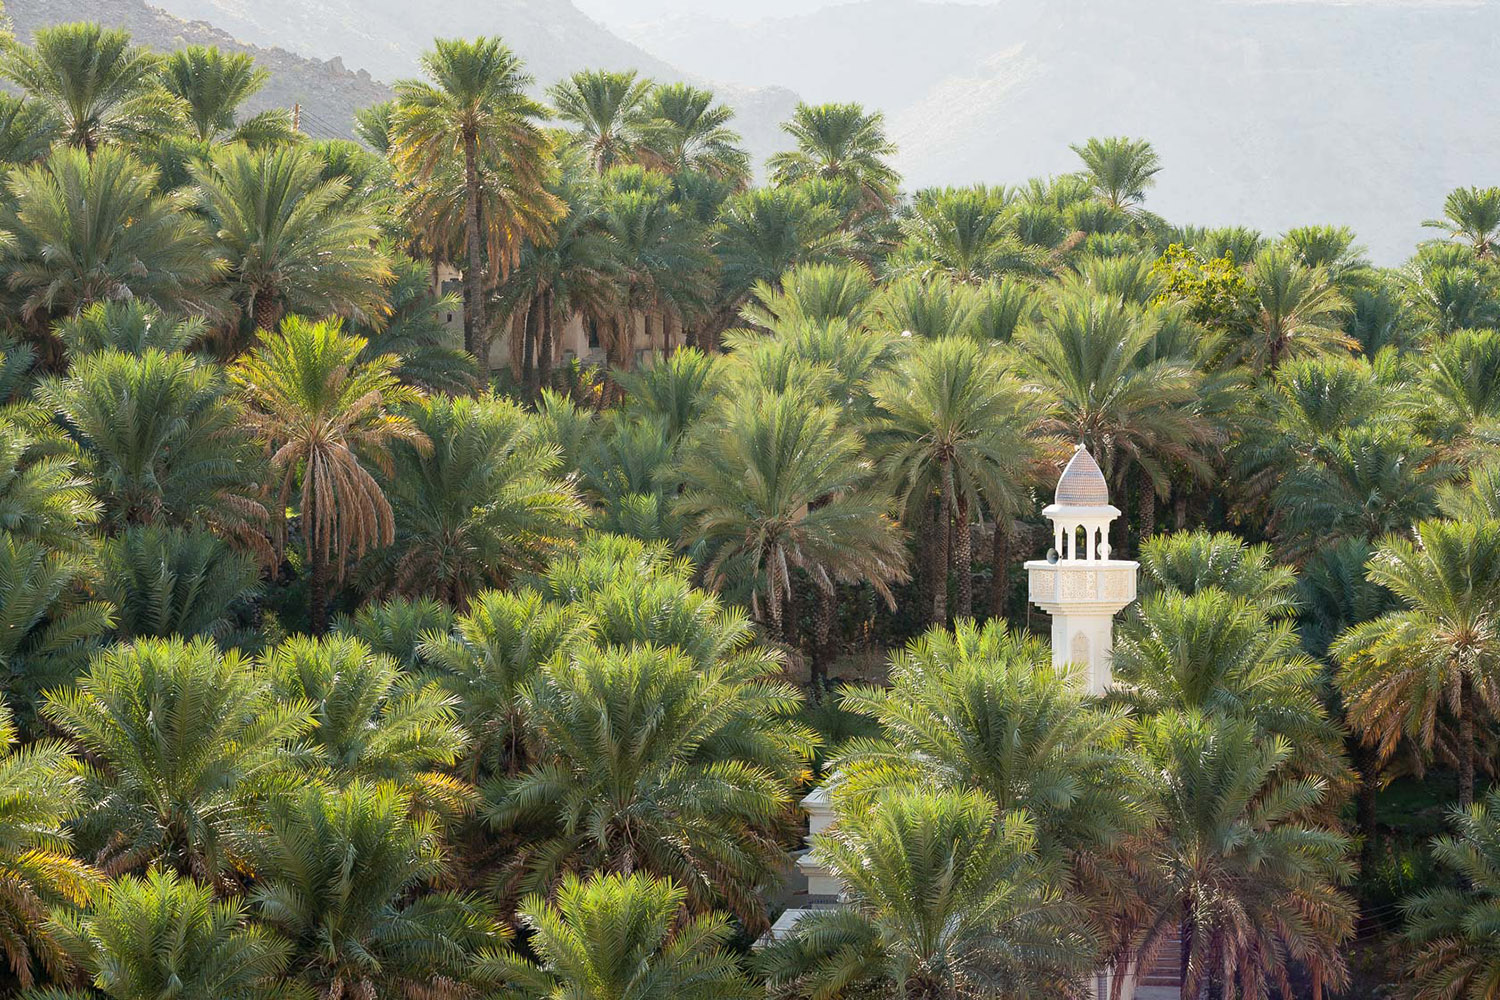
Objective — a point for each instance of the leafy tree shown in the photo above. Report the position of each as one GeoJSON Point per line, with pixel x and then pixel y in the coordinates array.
{"type": "Point", "coordinates": [621, 936]}
{"type": "Point", "coordinates": [95, 229]}
{"type": "Point", "coordinates": [90, 77]}
{"type": "Point", "coordinates": [294, 241]}
{"type": "Point", "coordinates": [346, 879]}
{"type": "Point", "coordinates": [167, 581]}
{"type": "Point", "coordinates": [945, 896]}
{"type": "Point", "coordinates": [777, 483]}
{"type": "Point", "coordinates": [1408, 671]}
{"type": "Point", "coordinates": [1231, 869]}
{"type": "Point", "coordinates": [605, 113]}
{"type": "Point", "coordinates": [1472, 215]}
{"type": "Point", "coordinates": [684, 131]}
{"type": "Point", "coordinates": [963, 233]}
{"type": "Point", "coordinates": [1120, 169]}
{"type": "Point", "coordinates": [1300, 311]}
{"type": "Point", "coordinates": [182, 734]}
{"type": "Point", "coordinates": [213, 84]}
{"type": "Point", "coordinates": [646, 762]}
{"type": "Point", "coordinates": [323, 414]}
{"type": "Point", "coordinates": [164, 933]}
{"type": "Point", "coordinates": [1448, 924]}
{"type": "Point", "coordinates": [839, 142]}
{"type": "Point", "coordinates": [475, 109]}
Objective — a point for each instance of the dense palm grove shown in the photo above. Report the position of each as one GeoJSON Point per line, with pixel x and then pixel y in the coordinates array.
{"type": "Point", "coordinates": [338, 665]}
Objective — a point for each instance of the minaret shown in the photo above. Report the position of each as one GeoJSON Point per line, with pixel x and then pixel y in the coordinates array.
{"type": "Point", "coordinates": [1078, 584]}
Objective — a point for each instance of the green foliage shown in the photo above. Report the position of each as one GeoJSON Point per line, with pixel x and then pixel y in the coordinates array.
{"type": "Point", "coordinates": [167, 581]}
{"type": "Point", "coordinates": [1449, 925]}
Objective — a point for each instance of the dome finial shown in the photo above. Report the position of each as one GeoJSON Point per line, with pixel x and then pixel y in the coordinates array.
{"type": "Point", "coordinates": [1082, 483]}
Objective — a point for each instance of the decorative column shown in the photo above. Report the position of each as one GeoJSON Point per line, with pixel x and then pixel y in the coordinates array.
{"type": "Point", "coordinates": [1078, 584]}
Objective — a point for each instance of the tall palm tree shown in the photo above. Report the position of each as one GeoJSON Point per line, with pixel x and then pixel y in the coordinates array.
{"type": "Point", "coordinates": [1300, 311]}
{"type": "Point", "coordinates": [778, 483]}
{"type": "Point", "coordinates": [625, 937]}
{"type": "Point", "coordinates": [1249, 888]}
{"type": "Point", "coordinates": [166, 934]}
{"type": "Point", "coordinates": [293, 241]}
{"type": "Point", "coordinates": [605, 113]}
{"type": "Point", "coordinates": [323, 415]}
{"type": "Point", "coordinates": [1440, 655]}
{"type": "Point", "coordinates": [90, 230]}
{"type": "Point", "coordinates": [686, 132]}
{"type": "Point", "coordinates": [213, 84]}
{"type": "Point", "coordinates": [1449, 925]}
{"type": "Point", "coordinates": [181, 733]}
{"type": "Point", "coordinates": [646, 762]}
{"type": "Point", "coordinates": [38, 871]}
{"type": "Point", "coordinates": [944, 896]}
{"type": "Point", "coordinates": [1472, 215]}
{"type": "Point", "coordinates": [952, 424]}
{"type": "Point", "coordinates": [840, 142]}
{"type": "Point", "coordinates": [1120, 169]}
{"type": "Point", "coordinates": [343, 875]}
{"type": "Point", "coordinates": [475, 109]}
{"type": "Point", "coordinates": [91, 77]}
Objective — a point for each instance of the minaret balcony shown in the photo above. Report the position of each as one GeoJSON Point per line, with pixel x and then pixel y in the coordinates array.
{"type": "Point", "coordinates": [1076, 583]}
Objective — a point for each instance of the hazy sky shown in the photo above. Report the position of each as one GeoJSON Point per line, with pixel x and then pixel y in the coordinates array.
{"type": "Point", "coordinates": [634, 12]}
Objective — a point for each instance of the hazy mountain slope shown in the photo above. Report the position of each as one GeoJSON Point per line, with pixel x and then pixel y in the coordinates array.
{"type": "Point", "coordinates": [386, 37]}
{"type": "Point", "coordinates": [1271, 113]}
{"type": "Point", "coordinates": [327, 91]}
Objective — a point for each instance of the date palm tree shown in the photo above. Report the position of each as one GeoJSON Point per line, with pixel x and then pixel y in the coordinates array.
{"type": "Point", "coordinates": [324, 415]}
{"type": "Point", "coordinates": [1472, 215]}
{"type": "Point", "coordinates": [604, 112]}
{"type": "Point", "coordinates": [777, 483]}
{"type": "Point", "coordinates": [1449, 924]}
{"type": "Point", "coordinates": [181, 732]}
{"type": "Point", "coordinates": [45, 495]}
{"type": "Point", "coordinates": [166, 581]}
{"type": "Point", "coordinates": [1440, 654]}
{"type": "Point", "coordinates": [621, 936]}
{"type": "Point", "coordinates": [132, 327]}
{"type": "Point", "coordinates": [473, 112]}
{"type": "Point", "coordinates": [839, 142]}
{"type": "Point", "coordinates": [214, 84]}
{"type": "Point", "coordinates": [1120, 169]}
{"type": "Point", "coordinates": [965, 234]}
{"type": "Point", "coordinates": [166, 934]}
{"type": "Point", "coordinates": [1187, 562]}
{"type": "Point", "coordinates": [27, 130]}
{"type": "Point", "coordinates": [91, 77]}
{"type": "Point", "coordinates": [952, 424]}
{"type": "Point", "coordinates": [1249, 888]}
{"type": "Point", "coordinates": [91, 230]}
{"type": "Point", "coordinates": [944, 895]}
{"type": "Point", "coordinates": [1299, 311]}
{"type": "Point", "coordinates": [685, 131]}
{"type": "Point", "coordinates": [293, 241]}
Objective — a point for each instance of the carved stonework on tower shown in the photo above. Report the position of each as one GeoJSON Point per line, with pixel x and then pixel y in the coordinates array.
{"type": "Point", "coordinates": [1078, 584]}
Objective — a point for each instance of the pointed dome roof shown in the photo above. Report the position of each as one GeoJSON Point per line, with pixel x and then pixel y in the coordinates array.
{"type": "Point", "coordinates": [1082, 484]}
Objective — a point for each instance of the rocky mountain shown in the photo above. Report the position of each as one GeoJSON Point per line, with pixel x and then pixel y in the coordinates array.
{"type": "Point", "coordinates": [1267, 112]}
{"type": "Point", "coordinates": [328, 92]}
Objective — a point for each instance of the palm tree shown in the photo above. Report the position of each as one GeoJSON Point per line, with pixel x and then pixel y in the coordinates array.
{"type": "Point", "coordinates": [167, 935]}
{"type": "Point", "coordinates": [397, 628]}
{"type": "Point", "coordinates": [164, 441]}
{"type": "Point", "coordinates": [476, 498]}
{"type": "Point", "coordinates": [606, 113]}
{"type": "Point", "coordinates": [131, 326]}
{"type": "Point", "coordinates": [27, 130]}
{"type": "Point", "coordinates": [677, 392]}
{"type": "Point", "coordinates": [1249, 888]}
{"type": "Point", "coordinates": [1300, 311]}
{"type": "Point", "coordinates": [91, 77]}
{"type": "Point", "coordinates": [1449, 924]}
{"type": "Point", "coordinates": [488, 659]}
{"type": "Point", "coordinates": [1440, 655]}
{"type": "Point", "coordinates": [213, 84]}
{"type": "Point", "coordinates": [839, 142]}
{"type": "Point", "coordinates": [647, 762]}
{"type": "Point", "coordinates": [38, 872]}
{"type": "Point", "coordinates": [1120, 169]}
{"type": "Point", "coordinates": [812, 294]}
{"type": "Point", "coordinates": [371, 721]}
{"type": "Point", "coordinates": [45, 496]}
{"type": "Point", "coordinates": [963, 233]}
{"type": "Point", "coordinates": [1187, 562]}
{"type": "Point", "coordinates": [181, 733]}
{"type": "Point", "coordinates": [1472, 215]}
{"type": "Point", "coordinates": [475, 109]}
{"type": "Point", "coordinates": [982, 708]}
{"type": "Point", "coordinates": [944, 896]}
{"type": "Point", "coordinates": [684, 131]}
{"type": "Point", "coordinates": [417, 333]}
{"type": "Point", "coordinates": [91, 230]}
{"type": "Point", "coordinates": [624, 937]}
{"type": "Point", "coordinates": [323, 414]}
{"type": "Point", "coordinates": [776, 483]}
{"type": "Point", "coordinates": [294, 242]}
{"type": "Point", "coordinates": [165, 581]}
{"type": "Point", "coordinates": [953, 426]}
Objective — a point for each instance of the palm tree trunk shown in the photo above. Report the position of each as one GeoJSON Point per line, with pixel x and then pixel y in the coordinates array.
{"type": "Point", "coordinates": [940, 561]}
{"type": "Point", "coordinates": [1000, 568]}
{"type": "Point", "coordinates": [773, 602]}
{"type": "Point", "coordinates": [1147, 513]}
{"type": "Point", "coordinates": [822, 654]}
{"type": "Point", "coordinates": [544, 355]}
{"type": "Point", "coordinates": [474, 319]}
{"type": "Point", "coordinates": [1465, 742]}
{"type": "Point", "coordinates": [963, 557]}
{"type": "Point", "coordinates": [528, 340]}
{"type": "Point", "coordinates": [317, 589]}
{"type": "Point", "coordinates": [1366, 763]}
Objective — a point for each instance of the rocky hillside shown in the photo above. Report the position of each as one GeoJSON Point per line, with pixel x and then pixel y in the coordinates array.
{"type": "Point", "coordinates": [328, 92]}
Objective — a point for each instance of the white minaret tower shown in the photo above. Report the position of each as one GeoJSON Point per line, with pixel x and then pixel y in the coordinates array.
{"type": "Point", "coordinates": [1078, 584]}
